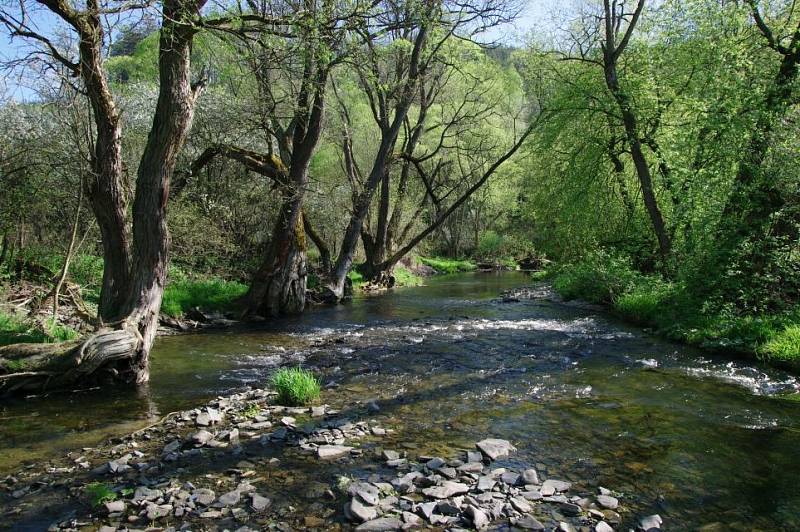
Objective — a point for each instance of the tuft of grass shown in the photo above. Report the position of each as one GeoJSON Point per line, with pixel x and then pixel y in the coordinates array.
{"type": "Point", "coordinates": [209, 294]}
{"type": "Point", "coordinates": [356, 278]}
{"type": "Point", "coordinates": [444, 265]}
{"type": "Point", "coordinates": [99, 493]}
{"type": "Point", "coordinates": [295, 386]}
{"type": "Point", "coordinates": [783, 345]}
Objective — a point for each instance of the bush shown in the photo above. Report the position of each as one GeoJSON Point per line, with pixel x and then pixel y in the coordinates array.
{"type": "Point", "coordinates": [443, 265]}
{"type": "Point", "coordinates": [490, 244]}
{"type": "Point", "coordinates": [295, 386]}
{"type": "Point", "coordinates": [404, 277]}
{"type": "Point", "coordinates": [646, 302]}
{"type": "Point", "coordinates": [210, 294]}
{"type": "Point", "coordinates": [783, 345]}
{"type": "Point", "coordinates": [599, 278]}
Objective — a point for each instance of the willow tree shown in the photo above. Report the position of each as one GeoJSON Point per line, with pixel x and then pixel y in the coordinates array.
{"type": "Point", "coordinates": [135, 244]}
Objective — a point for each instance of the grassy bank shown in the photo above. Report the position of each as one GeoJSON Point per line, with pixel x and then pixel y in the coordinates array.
{"type": "Point", "coordinates": [444, 265]}
{"type": "Point", "coordinates": [15, 329]}
{"type": "Point", "coordinates": [402, 277]}
{"type": "Point", "coordinates": [207, 294]}
{"type": "Point", "coordinates": [667, 308]}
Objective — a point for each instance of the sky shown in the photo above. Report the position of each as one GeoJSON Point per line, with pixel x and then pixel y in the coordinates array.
{"type": "Point", "coordinates": [14, 84]}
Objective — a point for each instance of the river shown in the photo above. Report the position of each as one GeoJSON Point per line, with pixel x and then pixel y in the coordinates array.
{"type": "Point", "coordinates": [699, 439]}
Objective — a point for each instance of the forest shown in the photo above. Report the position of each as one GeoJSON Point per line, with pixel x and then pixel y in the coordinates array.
{"type": "Point", "coordinates": [185, 164]}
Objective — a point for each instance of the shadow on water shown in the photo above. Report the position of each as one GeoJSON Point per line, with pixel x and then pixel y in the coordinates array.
{"type": "Point", "coordinates": [695, 438]}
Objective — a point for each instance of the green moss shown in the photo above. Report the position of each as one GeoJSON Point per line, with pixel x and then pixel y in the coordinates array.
{"type": "Point", "coordinates": [295, 386]}
{"type": "Point", "coordinates": [99, 493]}
{"type": "Point", "coordinates": [444, 265]}
{"type": "Point", "coordinates": [209, 294]}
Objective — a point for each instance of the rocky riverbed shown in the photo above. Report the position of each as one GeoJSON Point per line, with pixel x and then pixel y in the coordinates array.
{"type": "Point", "coordinates": [220, 466]}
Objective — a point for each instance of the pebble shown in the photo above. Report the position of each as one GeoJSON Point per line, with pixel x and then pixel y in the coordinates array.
{"type": "Point", "coordinates": [650, 522]}
{"type": "Point", "coordinates": [607, 501]}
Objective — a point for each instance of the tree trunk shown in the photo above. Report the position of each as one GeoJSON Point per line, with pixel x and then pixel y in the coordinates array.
{"type": "Point", "coordinates": [62, 275]}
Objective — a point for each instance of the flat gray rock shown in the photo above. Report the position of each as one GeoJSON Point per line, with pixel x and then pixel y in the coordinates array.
{"type": "Point", "coordinates": [204, 496]}
{"type": "Point", "coordinates": [446, 489]}
{"type": "Point", "coordinates": [530, 476]}
{"type": "Point", "coordinates": [651, 522]}
{"type": "Point", "coordinates": [527, 522]}
{"type": "Point", "coordinates": [556, 485]}
{"type": "Point", "coordinates": [478, 517]}
{"type": "Point", "coordinates": [384, 524]}
{"type": "Point", "coordinates": [258, 502]}
{"type": "Point", "coordinates": [495, 448]}
{"type": "Point", "coordinates": [360, 511]}
{"type": "Point", "coordinates": [327, 452]}
{"type": "Point", "coordinates": [607, 501]}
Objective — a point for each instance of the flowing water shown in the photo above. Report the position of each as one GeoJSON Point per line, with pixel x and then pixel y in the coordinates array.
{"type": "Point", "coordinates": [699, 439]}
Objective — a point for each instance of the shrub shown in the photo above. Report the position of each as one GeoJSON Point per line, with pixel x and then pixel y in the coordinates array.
{"type": "Point", "coordinates": [646, 302]}
{"type": "Point", "coordinates": [599, 278]}
{"type": "Point", "coordinates": [490, 244]}
{"type": "Point", "coordinates": [784, 345]}
{"type": "Point", "coordinates": [295, 386]}
{"type": "Point", "coordinates": [404, 277]}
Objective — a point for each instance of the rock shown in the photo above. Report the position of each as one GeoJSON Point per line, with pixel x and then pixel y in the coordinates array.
{"type": "Point", "coordinates": [602, 526]}
{"type": "Point", "coordinates": [474, 456]}
{"type": "Point", "coordinates": [313, 522]}
{"type": "Point", "coordinates": [486, 483]}
{"type": "Point", "coordinates": [426, 509]}
{"type": "Point", "coordinates": [447, 508]}
{"type": "Point", "coordinates": [411, 520]}
{"type": "Point", "coordinates": [435, 463]}
{"type": "Point", "coordinates": [607, 501]}
{"type": "Point", "coordinates": [495, 448]}
{"type": "Point", "coordinates": [446, 489]}
{"type": "Point", "coordinates": [533, 495]}
{"type": "Point", "coordinates": [390, 455]}
{"type": "Point", "coordinates": [228, 499]}
{"type": "Point", "coordinates": [144, 493]}
{"type": "Point", "coordinates": [373, 406]}
{"type": "Point", "coordinates": [478, 517]}
{"type": "Point", "coordinates": [258, 502]}
{"type": "Point", "coordinates": [156, 511]}
{"type": "Point", "coordinates": [512, 479]}
{"type": "Point", "coordinates": [201, 437]}
{"type": "Point", "coordinates": [569, 508]}
{"type": "Point", "coordinates": [368, 493]}
{"type": "Point", "coordinates": [171, 447]}
{"type": "Point", "coordinates": [360, 511]}
{"type": "Point", "coordinates": [115, 507]}
{"type": "Point", "coordinates": [603, 491]}
{"type": "Point", "coordinates": [384, 524]}
{"type": "Point", "coordinates": [106, 528]}
{"type": "Point", "coordinates": [327, 452]}
{"type": "Point", "coordinates": [204, 496]}
{"type": "Point", "coordinates": [527, 522]}
{"type": "Point", "coordinates": [471, 467]}
{"type": "Point", "coordinates": [448, 472]}
{"type": "Point", "coordinates": [565, 527]}
{"type": "Point", "coordinates": [556, 485]}
{"type": "Point", "coordinates": [203, 419]}
{"type": "Point", "coordinates": [530, 476]}
{"type": "Point", "coordinates": [521, 505]}
{"type": "Point", "coordinates": [651, 522]}
{"type": "Point", "coordinates": [288, 421]}
{"type": "Point", "coordinates": [317, 411]}
{"type": "Point", "coordinates": [377, 431]}
{"type": "Point", "coordinates": [211, 514]}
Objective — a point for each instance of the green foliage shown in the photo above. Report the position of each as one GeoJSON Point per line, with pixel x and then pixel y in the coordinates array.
{"type": "Point", "coordinates": [445, 265]}
{"type": "Point", "coordinates": [490, 244]}
{"type": "Point", "coordinates": [207, 294]}
{"type": "Point", "coordinates": [355, 277]}
{"type": "Point", "coordinates": [99, 493]}
{"type": "Point", "coordinates": [14, 329]}
{"type": "Point", "coordinates": [404, 277]}
{"type": "Point", "coordinates": [251, 411]}
{"type": "Point", "coordinates": [295, 386]}
{"type": "Point", "coordinates": [783, 345]}
{"type": "Point", "coordinates": [599, 278]}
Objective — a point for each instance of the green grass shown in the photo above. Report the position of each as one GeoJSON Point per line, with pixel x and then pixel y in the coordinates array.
{"type": "Point", "coordinates": [783, 345]}
{"type": "Point", "coordinates": [671, 311]}
{"type": "Point", "coordinates": [444, 265]}
{"type": "Point", "coordinates": [14, 330]}
{"type": "Point", "coordinates": [99, 493]}
{"type": "Point", "coordinates": [210, 294]}
{"type": "Point", "coordinates": [356, 278]}
{"type": "Point", "coordinates": [542, 275]}
{"type": "Point", "coordinates": [404, 277]}
{"type": "Point", "coordinates": [295, 386]}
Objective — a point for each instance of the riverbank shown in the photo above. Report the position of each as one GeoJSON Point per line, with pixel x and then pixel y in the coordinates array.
{"type": "Point", "coordinates": [667, 309]}
{"type": "Point", "coordinates": [218, 466]}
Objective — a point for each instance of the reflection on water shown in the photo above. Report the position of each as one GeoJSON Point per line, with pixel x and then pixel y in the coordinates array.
{"type": "Point", "coordinates": [700, 440]}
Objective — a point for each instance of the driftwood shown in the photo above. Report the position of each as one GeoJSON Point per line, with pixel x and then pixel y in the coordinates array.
{"type": "Point", "coordinates": [40, 367]}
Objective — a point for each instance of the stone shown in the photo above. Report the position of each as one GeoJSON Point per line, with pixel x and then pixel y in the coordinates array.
{"type": "Point", "coordinates": [533, 495]}
{"type": "Point", "coordinates": [602, 526]}
{"type": "Point", "coordinates": [448, 472]}
{"type": "Point", "coordinates": [556, 485]}
{"type": "Point", "coordinates": [360, 511]}
{"type": "Point", "coordinates": [495, 448]}
{"type": "Point", "coordinates": [486, 483]}
{"type": "Point", "coordinates": [143, 493]}
{"type": "Point", "coordinates": [288, 421]}
{"type": "Point", "coordinates": [317, 411]}
{"type": "Point", "coordinates": [527, 522]}
{"type": "Point", "coordinates": [521, 505]}
{"type": "Point", "coordinates": [569, 508]}
{"type": "Point", "coordinates": [211, 514]}
{"type": "Point", "coordinates": [478, 517]}
{"type": "Point", "coordinates": [426, 509]}
{"type": "Point", "coordinates": [435, 463]}
{"type": "Point", "coordinates": [228, 499]}
{"type": "Point", "coordinates": [258, 502]}
{"type": "Point", "coordinates": [447, 507]}
{"type": "Point", "coordinates": [202, 437]}
{"type": "Point", "coordinates": [563, 526]}
{"type": "Point", "coordinates": [390, 455]}
{"type": "Point", "coordinates": [204, 496]}
{"type": "Point", "coordinates": [106, 528]}
{"type": "Point", "coordinates": [115, 507]}
{"type": "Point", "coordinates": [474, 456]}
{"type": "Point", "coordinates": [530, 476]}
{"type": "Point", "coordinates": [471, 467]}
{"type": "Point", "coordinates": [327, 452]}
{"type": "Point", "coordinates": [604, 491]}
{"type": "Point", "coordinates": [368, 493]}
{"type": "Point", "coordinates": [171, 447]}
{"type": "Point", "coordinates": [377, 431]}
{"type": "Point", "coordinates": [311, 521]}
{"type": "Point", "coordinates": [383, 524]}
{"type": "Point", "coordinates": [607, 501]}
{"type": "Point", "coordinates": [446, 489]}
{"type": "Point", "coordinates": [411, 520]}
{"type": "Point", "coordinates": [157, 511]}
{"type": "Point", "coordinates": [651, 522]}
{"type": "Point", "coordinates": [203, 419]}
{"type": "Point", "coordinates": [512, 479]}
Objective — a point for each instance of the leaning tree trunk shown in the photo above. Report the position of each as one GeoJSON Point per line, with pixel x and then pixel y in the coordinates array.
{"type": "Point", "coordinates": [121, 351]}
{"type": "Point", "coordinates": [279, 285]}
